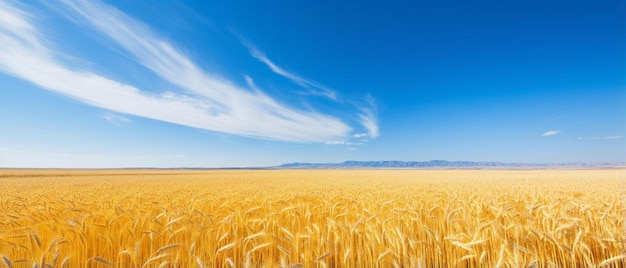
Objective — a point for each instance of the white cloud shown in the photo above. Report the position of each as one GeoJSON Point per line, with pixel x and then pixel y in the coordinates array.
{"type": "Point", "coordinates": [115, 119]}
{"type": "Point", "coordinates": [351, 149]}
{"type": "Point", "coordinates": [343, 143]}
{"type": "Point", "coordinates": [368, 118]}
{"type": "Point", "coordinates": [369, 121]}
{"type": "Point", "coordinates": [607, 138]}
{"type": "Point", "coordinates": [313, 87]}
{"type": "Point", "coordinates": [207, 101]}
{"type": "Point", "coordinates": [550, 133]}
{"type": "Point", "coordinates": [359, 135]}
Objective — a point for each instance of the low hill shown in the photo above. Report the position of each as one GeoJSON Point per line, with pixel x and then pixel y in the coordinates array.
{"type": "Point", "coordinates": [443, 164]}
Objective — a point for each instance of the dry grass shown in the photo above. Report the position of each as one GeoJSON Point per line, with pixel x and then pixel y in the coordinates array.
{"type": "Point", "coordinates": [369, 218]}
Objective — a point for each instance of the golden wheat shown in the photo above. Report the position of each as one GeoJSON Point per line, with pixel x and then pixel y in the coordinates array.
{"type": "Point", "coordinates": [291, 218]}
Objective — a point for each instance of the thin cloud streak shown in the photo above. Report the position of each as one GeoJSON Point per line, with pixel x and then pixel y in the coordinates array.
{"type": "Point", "coordinates": [368, 118]}
{"type": "Point", "coordinates": [115, 119]}
{"type": "Point", "coordinates": [607, 138]}
{"type": "Point", "coordinates": [369, 121]}
{"type": "Point", "coordinates": [208, 102]}
{"type": "Point", "coordinates": [550, 133]}
{"type": "Point", "coordinates": [360, 135]}
{"type": "Point", "coordinates": [313, 87]}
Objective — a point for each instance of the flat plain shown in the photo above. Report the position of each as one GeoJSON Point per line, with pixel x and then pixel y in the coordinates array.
{"type": "Point", "coordinates": [312, 218]}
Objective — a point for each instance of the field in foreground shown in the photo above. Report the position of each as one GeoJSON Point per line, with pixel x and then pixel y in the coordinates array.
{"type": "Point", "coordinates": [353, 218]}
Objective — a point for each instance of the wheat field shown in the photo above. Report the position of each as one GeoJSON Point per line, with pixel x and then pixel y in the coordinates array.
{"type": "Point", "coordinates": [312, 218]}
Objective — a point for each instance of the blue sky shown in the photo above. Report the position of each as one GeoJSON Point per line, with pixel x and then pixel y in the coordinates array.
{"type": "Point", "coordinates": [257, 83]}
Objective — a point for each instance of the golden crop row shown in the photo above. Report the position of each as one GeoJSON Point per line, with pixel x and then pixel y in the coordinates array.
{"type": "Point", "coordinates": [332, 218]}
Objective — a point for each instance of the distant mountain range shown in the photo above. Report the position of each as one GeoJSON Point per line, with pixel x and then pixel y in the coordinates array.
{"type": "Point", "coordinates": [443, 164]}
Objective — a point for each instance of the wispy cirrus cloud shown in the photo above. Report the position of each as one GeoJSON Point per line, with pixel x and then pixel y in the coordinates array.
{"type": "Point", "coordinates": [343, 143]}
{"type": "Point", "coordinates": [550, 133]}
{"type": "Point", "coordinates": [115, 119]}
{"type": "Point", "coordinates": [608, 138]}
{"type": "Point", "coordinates": [205, 100]}
{"type": "Point", "coordinates": [313, 87]}
{"type": "Point", "coordinates": [367, 116]}
{"type": "Point", "coordinates": [369, 119]}
{"type": "Point", "coordinates": [360, 135]}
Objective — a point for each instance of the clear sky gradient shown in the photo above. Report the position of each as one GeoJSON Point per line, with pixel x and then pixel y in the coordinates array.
{"type": "Point", "coordinates": [258, 83]}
